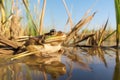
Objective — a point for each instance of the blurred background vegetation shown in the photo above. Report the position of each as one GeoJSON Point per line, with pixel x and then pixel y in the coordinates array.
{"type": "Point", "coordinates": [18, 19]}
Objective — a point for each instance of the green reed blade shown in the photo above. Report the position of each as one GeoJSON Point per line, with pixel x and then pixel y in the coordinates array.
{"type": "Point", "coordinates": [117, 9]}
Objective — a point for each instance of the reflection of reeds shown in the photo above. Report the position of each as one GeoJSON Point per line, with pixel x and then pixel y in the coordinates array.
{"type": "Point", "coordinates": [116, 75]}
{"type": "Point", "coordinates": [77, 59]}
{"type": "Point", "coordinates": [14, 72]}
{"type": "Point", "coordinates": [70, 71]}
{"type": "Point", "coordinates": [98, 52]}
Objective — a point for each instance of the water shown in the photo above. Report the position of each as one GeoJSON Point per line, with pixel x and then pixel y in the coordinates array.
{"type": "Point", "coordinates": [75, 64]}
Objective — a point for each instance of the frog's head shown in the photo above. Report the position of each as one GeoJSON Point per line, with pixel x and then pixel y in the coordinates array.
{"type": "Point", "coordinates": [57, 37]}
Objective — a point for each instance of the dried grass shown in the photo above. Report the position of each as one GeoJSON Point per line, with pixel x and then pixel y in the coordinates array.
{"type": "Point", "coordinates": [77, 27]}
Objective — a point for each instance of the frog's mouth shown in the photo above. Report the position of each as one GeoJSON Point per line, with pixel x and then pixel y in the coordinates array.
{"type": "Point", "coordinates": [58, 38]}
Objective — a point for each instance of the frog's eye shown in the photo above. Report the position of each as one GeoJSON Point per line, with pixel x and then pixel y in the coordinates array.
{"type": "Point", "coordinates": [52, 31]}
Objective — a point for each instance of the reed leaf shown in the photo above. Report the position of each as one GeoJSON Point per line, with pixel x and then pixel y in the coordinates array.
{"type": "Point", "coordinates": [102, 33]}
{"type": "Point", "coordinates": [117, 9]}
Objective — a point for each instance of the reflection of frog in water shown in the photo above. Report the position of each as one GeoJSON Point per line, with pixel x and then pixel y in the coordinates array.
{"type": "Point", "coordinates": [55, 68]}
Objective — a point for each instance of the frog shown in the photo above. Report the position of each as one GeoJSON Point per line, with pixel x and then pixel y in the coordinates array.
{"type": "Point", "coordinates": [40, 39]}
{"type": "Point", "coordinates": [50, 44]}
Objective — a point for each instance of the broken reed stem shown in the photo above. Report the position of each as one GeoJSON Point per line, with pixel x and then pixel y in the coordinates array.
{"type": "Point", "coordinates": [69, 15]}
{"type": "Point", "coordinates": [42, 17]}
{"type": "Point", "coordinates": [20, 55]}
{"type": "Point", "coordinates": [77, 27]}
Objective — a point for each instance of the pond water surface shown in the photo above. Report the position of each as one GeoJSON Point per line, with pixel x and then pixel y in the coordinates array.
{"type": "Point", "coordinates": [76, 64]}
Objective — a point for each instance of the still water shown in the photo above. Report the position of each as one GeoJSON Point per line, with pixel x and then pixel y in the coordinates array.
{"type": "Point", "coordinates": [74, 64]}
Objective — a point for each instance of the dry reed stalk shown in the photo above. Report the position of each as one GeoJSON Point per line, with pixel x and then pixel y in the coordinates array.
{"type": "Point", "coordinates": [44, 75]}
{"type": "Point", "coordinates": [15, 18]}
{"type": "Point", "coordinates": [97, 36]}
{"type": "Point", "coordinates": [3, 15]}
{"type": "Point", "coordinates": [89, 10]}
{"type": "Point", "coordinates": [42, 17]}
{"type": "Point", "coordinates": [6, 52]}
{"type": "Point", "coordinates": [15, 27]}
{"type": "Point", "coordinates": [20, 55]}
{"type": "Point", "coordinates": [68, 13]}
{"type": "Point", "coordinates": [5, 41]}
{"type": "Point", "coordinates": [77, 27]}
{"type": "Point", "coordinates": [2, 8]}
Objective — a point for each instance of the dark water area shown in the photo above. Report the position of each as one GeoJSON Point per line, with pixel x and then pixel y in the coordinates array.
{"type": "Point", "coordinates": [74, 64]}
